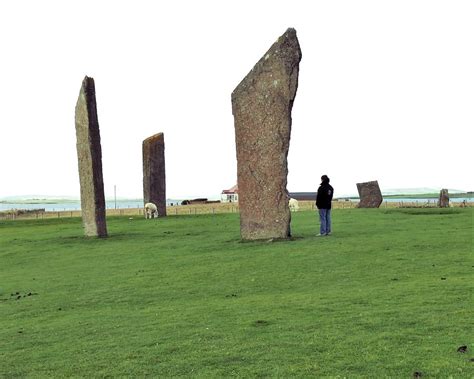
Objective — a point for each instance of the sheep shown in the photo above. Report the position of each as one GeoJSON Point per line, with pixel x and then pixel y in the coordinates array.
{"type": "Point", "coordinates": [293, 204]}
{"type": "Point", "coordinates": [151, 211]}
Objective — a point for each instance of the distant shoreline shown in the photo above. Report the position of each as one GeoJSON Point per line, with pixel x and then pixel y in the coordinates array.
{"type": "Point", "coordinates": [456, 195]}
{"type": "Point", "coordinates": [430, 196]}
{"type": "Point", "coordinates": [69, 201]}
{"type": "Point", "coordinates": [66, 200]}
{"type": "Point", "coordinates": [39, 201]}
{"type": "Point", "coordinates": [63, 201]}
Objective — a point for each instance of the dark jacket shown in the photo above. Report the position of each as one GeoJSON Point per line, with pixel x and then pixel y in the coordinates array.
{"type": "Point", "coordinates": [324, 196]}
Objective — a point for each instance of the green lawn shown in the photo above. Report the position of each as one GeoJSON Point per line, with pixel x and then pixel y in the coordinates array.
{"type": "Point", "coordinates": [389, 294]}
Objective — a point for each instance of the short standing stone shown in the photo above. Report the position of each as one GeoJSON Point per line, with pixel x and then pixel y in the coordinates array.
{"type": "Point", "coordinates": [369, 194]}
{"type": "Point", "coordinates": [443, 201]}
{"type": "Point", "coordinates": [154, 179]}
{"type": "Point", "coordinates": [89, 156]}
{"type": "Point", "coordinates": [261, 105]}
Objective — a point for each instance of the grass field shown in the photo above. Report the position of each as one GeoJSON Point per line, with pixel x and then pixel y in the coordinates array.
{"type": "Point", "coordinates": [388, 294]}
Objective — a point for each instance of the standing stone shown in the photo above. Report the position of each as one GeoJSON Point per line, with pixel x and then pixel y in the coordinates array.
{"type": "Point", "coordinates": [369, 194]}
{"type": "Point", "coordinates": [443, 201]}
{"type": "Point", "coordinates": [89, 155]}
{"type": "Point", "coordinates": [154, 180]}
{"type": "Point", "coordinates": [261, 105]}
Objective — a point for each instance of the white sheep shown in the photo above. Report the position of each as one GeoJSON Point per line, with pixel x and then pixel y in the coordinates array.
{"type": "Point", "coordinates": [293, 204]}
{"type": "Point", "coordinates": [151, 211]}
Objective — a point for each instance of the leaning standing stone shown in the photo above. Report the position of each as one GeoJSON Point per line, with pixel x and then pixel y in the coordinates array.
{"type": "Point", "coordinates": [369, 194]}
{"type": "Point", "coordinates": [261, 105]}
{"type": "Point", "coordinates": [89, 154]}
{"type": "Point", "coordinates": [154, 180]}
{"type": "Point", "coordinates": [443, 201]}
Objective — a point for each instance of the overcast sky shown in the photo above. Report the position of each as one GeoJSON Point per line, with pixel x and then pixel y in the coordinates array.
{"type": "Point", "coordinates": [386, 91]}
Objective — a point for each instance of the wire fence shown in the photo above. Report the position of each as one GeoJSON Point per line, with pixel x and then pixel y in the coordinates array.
{"type": "Point", "coordinates": [213, 208]}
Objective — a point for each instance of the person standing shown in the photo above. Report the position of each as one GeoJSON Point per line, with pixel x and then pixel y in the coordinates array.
{"type": "Point", "coordinates": [323, 203]}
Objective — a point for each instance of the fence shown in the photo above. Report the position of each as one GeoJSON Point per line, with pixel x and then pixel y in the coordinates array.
{"type": "Point", "coordinates": [215, 208]}
{"type": "Point", "coordinates": [194, 209]}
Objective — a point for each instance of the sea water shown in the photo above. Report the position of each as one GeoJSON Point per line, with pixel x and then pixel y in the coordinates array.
{"type": "Point", "coordinates": [75, 205]}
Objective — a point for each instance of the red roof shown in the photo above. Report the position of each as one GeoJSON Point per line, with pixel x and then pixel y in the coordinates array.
{"type": "Point", "coordinates": [234, 189]}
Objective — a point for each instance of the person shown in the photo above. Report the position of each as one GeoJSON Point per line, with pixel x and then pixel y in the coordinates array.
{"type": "Point", "coordinates": [323, 203]}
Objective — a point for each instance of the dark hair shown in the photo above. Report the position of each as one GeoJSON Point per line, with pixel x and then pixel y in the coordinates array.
{"type": "Point", "coordinates": [325, 178]}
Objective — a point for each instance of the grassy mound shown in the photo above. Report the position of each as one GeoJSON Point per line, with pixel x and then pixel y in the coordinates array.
{"type": "Point", "coordinates": [389, 294]}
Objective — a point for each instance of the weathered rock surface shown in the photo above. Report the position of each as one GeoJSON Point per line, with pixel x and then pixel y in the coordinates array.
{"type": "Point", "coordinates": [261, 105]}
{"type": "Point", "coordinates": [89, 154]}
{"type": "Point", "coordinates": [443, 201]}
{"type": "Point", "coordinates": [370, 194]}
{"type": "Point", "coordinates": [154, 179]}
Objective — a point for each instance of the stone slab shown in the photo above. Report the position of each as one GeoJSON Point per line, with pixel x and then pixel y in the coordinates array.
{"type": "Point", "coordinates": [261, 105]}
{"type": "Point", "coordinates": [89, 154]}
{"type": "Point", "coordinates": [443, 200]}
{"type": "Point", "coordinates": [369, 194]}
{"type": "Point", "coordinates": [154, 176]}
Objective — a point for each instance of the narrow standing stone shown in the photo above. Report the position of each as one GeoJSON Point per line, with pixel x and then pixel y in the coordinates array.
{"type": "Point", "coordinates": [443, 201]}
{"type": "Point", "coordinates": [154, 179]}
{"type": "Point", "coordinates": [89, 155]}
{"type": "Point", "coordinates": [261, 105]}
{"type": "Point", "coordinates": [369, 194]}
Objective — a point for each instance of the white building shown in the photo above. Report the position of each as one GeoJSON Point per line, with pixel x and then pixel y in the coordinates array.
{"type": "Point", "coordinates": [231, 195]}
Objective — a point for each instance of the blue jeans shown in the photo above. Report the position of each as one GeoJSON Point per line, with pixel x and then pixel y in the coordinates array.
{"type": "Point", "coordinates": [325, 219]}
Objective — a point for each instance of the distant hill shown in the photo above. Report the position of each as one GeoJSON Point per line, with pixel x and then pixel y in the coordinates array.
{"type": "Point", "coordinates": [38, 197]}
{"type": "Point", "coordinates": [423, 192]}
{"type": "Point", "coordinates": [48, 199]}
{"type": "Point", "coordinates": [417, 191]}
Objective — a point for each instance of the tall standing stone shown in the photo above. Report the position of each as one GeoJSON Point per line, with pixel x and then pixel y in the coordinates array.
{"type": "Point", "coordinates": [261, 105]}
{"type": "Point", "coordinates": [89, 154]}
{"type": "Point", "coordinates": [443, 201]}
{"type": "Point", "coordinates": [154, 179]}
{"type": "Point", "coordinates": [369, 194]}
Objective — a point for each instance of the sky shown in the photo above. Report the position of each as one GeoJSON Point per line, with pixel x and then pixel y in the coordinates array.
{"type": "Point", "coordinates": [386, 91]}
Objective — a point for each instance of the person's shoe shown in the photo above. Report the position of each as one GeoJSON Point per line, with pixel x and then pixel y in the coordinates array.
{"type": "Point", "coordinates": [328, 234]}
{"type": "Point", "coordinates": [320, 235]}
